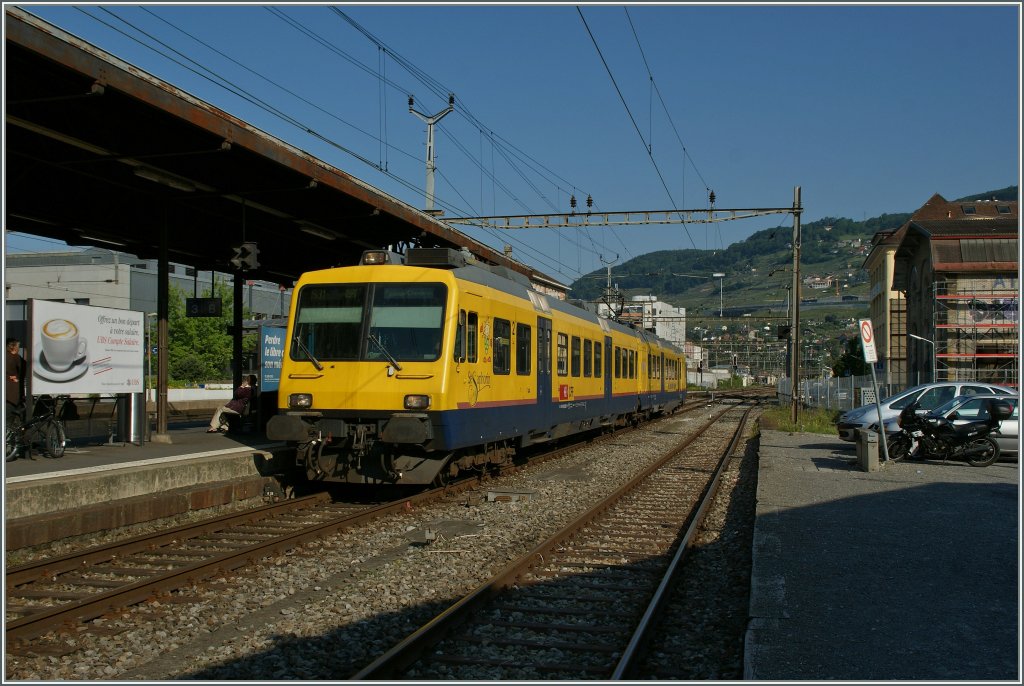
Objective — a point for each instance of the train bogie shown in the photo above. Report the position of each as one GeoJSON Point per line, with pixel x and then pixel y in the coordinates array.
{"type": "Point", "coordinates": [408, 373]}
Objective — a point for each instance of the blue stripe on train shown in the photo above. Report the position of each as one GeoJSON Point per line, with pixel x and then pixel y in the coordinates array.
{"type": "Point", "coordinates": [464, 427]}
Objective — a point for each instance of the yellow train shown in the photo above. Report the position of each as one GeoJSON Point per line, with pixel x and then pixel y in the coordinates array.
{"type": "Point", "coordinates": [406, 370]}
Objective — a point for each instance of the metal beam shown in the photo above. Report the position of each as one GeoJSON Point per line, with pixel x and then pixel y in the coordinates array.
{"type": "Point", "coordinates": [627, 218]}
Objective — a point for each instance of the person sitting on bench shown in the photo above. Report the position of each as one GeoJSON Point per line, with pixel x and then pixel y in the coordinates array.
{"type": "Point", "coordinates": [236, 406]}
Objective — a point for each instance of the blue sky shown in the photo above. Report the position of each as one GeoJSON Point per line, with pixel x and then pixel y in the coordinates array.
{"type": "Point", "coordinates": [870, 108]}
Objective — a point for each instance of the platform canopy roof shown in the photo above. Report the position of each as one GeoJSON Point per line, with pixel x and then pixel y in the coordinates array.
{"type": "Point", "coordinates": [98, 152]}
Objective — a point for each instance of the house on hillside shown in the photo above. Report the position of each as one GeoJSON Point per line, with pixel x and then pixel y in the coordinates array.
{"type": "Point", "coordinates": [957, 266]}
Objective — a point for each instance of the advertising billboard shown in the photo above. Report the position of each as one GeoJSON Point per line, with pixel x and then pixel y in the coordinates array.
{"type": "Point", "coordinates": [84, 349]}
{"type": "Point", "coordinates": [271, 353]}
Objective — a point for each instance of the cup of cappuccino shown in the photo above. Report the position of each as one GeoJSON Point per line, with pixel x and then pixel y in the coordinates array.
{"type": "Point", "coordinates": [61, 344]}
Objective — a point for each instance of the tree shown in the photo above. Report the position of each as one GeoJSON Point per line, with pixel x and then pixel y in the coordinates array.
{"type": "Point", "coordinates": [851, 362]}
{"type": "Point", "coordinates": [199, 348]}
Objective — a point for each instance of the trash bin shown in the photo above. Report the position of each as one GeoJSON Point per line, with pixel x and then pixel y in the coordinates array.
{"type": "Point", "coordinates": [131, 416]}
{"type": "Point", "coordinates": [867, 450]}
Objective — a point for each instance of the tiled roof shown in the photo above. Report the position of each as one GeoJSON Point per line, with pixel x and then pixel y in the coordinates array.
{"type": "Point", "coordinates": [1001, 226]}
{"type": "Point", "coordinates": [938, 208]}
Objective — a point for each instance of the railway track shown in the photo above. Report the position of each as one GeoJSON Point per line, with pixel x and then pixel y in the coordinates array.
{"type": "Point", "coordinates": [582, 603]}
{"type": "Point", "coordinates": [67, 593]}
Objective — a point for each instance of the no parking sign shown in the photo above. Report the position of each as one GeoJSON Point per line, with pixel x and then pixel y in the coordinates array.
{"type": "Point", "coordinates": [867, 341]}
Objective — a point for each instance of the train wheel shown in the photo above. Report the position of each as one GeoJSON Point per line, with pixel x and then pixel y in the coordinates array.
{"type": "Point", "coordinates": [448, 471]}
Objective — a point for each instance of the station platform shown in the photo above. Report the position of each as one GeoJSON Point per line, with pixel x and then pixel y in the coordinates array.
{"type": "Point", "coordinates": [125, 483]}
{"type": "Point", "coordinates": [907, 573]}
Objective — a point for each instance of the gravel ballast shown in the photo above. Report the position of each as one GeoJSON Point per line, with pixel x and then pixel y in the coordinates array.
{"type": "Point", "coordinates": [328, 608]}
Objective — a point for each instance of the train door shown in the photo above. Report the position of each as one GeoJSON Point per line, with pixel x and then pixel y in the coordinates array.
{"type": "Point", "coordinates": [607, 367]}
{"type": "Point", "coordinates": [661, 370]}
{"type": "Point", "coordinates": [544, 365]}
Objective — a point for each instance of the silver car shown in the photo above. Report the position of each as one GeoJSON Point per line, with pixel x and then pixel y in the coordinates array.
{"type": "Point", "coordinates": [928, 397]}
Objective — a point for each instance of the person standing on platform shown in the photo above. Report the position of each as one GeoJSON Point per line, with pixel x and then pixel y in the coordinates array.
{"type": "Point", "coordinates": [15, 386]}
{"type": "Point", "coordinates": [15, 366]}
{"type": "Point", "coordinates": [237, 404]}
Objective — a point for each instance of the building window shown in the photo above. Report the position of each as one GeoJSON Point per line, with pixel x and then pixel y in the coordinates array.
{"type": "Point", "coordinates": [969, 209]}
{"type": "Point", "coordinates": [1003, 209]}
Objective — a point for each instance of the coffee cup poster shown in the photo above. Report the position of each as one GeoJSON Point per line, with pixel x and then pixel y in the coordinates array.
{"type": "Point", "coordinates": [85, 349]}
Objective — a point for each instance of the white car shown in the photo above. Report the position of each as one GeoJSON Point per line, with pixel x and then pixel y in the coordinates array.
{"type": "Point", "coordinates": [929, 396]}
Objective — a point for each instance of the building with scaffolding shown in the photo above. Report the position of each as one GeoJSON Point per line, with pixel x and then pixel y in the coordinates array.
{"type": "Point", "coordinates": [957, 266]}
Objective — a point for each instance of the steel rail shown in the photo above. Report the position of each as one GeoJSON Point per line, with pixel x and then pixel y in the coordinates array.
{"type": "Point", "coordinates": [49, 567]}
{"type": "Point", "coordinates": [630, 654]}
{"type": "Point", "coordinates": [36, 624]}
{"type": "Point", "coordinates": [397, 659]}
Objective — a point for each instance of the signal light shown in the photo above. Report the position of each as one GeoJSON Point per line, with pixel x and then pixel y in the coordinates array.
{"type": "Point", "coordinates": [245, 257]}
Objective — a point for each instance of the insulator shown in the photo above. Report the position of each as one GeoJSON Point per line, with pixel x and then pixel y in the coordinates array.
{"type": "Point", "coordinates": [711, 197]}
{"type": "Point", "coordinates": [572, 201]}
{"type": "Point", "coordinates": [410, 102]}
{"type": "Point", "coordinates": [590, 201]}
{"type": "Point", "coordinates": [451, 99]}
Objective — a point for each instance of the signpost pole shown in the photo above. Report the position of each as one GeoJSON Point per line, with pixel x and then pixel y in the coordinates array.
{"type": "Point", "coordinates": [867, 341]}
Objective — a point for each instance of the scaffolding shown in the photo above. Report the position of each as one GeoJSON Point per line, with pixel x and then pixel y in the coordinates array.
{"type": "Point", "coordinates": [977, 330]}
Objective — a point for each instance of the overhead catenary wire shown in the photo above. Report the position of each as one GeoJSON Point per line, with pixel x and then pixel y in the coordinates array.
{"type": "Point", "coordinates": [668, 114]}
{"type": "Point", "coordinates": [524, 165]}
{"type": "Point", "coordinates": [632, 119]}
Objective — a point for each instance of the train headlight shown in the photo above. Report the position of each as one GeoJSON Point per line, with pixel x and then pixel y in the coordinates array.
{"type": "Point", "coordinates": [376, 257]}
{"type": "Point", "coordinates": [300, 400]}
{"type": "Point", "coordinates": [417, 402]}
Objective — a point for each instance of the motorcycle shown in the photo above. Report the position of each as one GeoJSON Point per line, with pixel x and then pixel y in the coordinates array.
{"type": "Point", "coordinates": [929, 435]}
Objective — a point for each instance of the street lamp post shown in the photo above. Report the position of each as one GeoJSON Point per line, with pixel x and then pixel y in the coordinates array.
{"type": "Point", "coordinates": [721, 288]}
{"type": "Point", "coordinates": [931, 343]}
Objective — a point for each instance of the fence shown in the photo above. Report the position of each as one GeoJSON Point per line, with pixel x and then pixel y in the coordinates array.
{"type": "Point", "coordinates": [837, 393]}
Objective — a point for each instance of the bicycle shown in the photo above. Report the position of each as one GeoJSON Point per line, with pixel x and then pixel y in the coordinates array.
{"type": "Point", "coordinates": [45, 426]}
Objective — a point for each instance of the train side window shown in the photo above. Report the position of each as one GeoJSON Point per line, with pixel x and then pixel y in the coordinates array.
{"type": "Point", "coordinates": [632, 364]}
{"type": "Point", "coordinates": [524, 347]}
{"type": "Point", "coordinates": [618, 362]}
{"type": "Point", "coordinates": [471, 337]}
{"type": "Point", "coordinates": [597, 360]}
{"type": "Point", "coordinates": [650, 366]}
{"type": "Point", "coordinates": [459, 354]}
{"type": "Point", "coordinates": [588, 359]}
{"type": "Point", "coordinates": [563, 355]}
{"type": "Point", "coordinates": [575, 355]}
{"type": "Point", "coordinates": [502, 345]}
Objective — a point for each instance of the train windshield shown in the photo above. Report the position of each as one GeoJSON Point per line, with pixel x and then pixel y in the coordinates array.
{"type": "Point", "coordinates": [337, 321]}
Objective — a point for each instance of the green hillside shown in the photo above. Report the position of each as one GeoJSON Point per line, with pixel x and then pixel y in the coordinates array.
{"type": "Point", "coordinates": [756, 269]}
{"type": "Point", "coordinates": [752, 298]}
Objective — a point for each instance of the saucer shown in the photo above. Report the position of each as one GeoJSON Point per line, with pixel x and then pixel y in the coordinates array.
{"type": "Point", "coordinates": [43, 370]}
